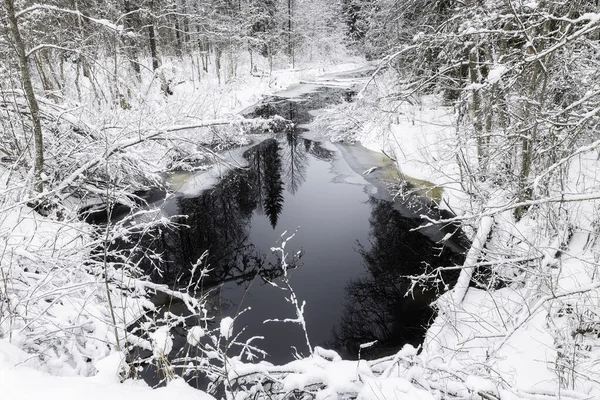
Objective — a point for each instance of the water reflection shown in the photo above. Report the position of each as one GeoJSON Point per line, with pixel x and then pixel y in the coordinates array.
{"type": "Point", "coordinates": [376, 306]}
{"type": "Point", "coordinates": [264, 176]}
{"type": "Point", "coordinates": [298, 111]}
{"type": "Point", "coordinates": [241, 217]}
{"type": "Point", "coordinates": [218, 220]}
{"type": "Point", "coordinates": [294, 158]}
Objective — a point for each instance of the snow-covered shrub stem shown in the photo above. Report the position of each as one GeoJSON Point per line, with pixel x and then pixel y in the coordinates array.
{"type": "Point", "coordinates": [108, 206]}
{"type": "Point", "coordinates": [285, 285]}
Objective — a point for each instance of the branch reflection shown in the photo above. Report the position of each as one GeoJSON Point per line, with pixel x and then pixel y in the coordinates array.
{"type": "Point", "coordinates": [218, 220]}
{"type": "Point", "coordinates": [379, 306]}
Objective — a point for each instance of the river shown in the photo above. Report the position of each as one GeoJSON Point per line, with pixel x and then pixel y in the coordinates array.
{"type": "Point", "coordinates": [353, 248]}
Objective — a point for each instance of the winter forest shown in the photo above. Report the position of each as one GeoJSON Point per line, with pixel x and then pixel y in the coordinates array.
{"type": "Point", "coordinates": [300, 199]}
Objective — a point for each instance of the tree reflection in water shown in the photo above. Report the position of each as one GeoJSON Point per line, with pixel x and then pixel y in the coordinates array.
{"type": "Point", "coordinates": [377, 306]}
{"type": "Point", "coordinates": [272, 184]}
{"type": "Point", "coordinates": [218, 219]}
{"type": "Point", "coordinates": [294, 161]}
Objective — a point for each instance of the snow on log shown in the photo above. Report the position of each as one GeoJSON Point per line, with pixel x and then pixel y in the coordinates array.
{"type": "Point", "coordinates": [464, 279]}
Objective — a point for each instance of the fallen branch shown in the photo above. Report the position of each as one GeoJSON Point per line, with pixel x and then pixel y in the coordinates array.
{"type": "Point", "coordinates": [563, 198]}
{"type": "Point", "coordinates": [466, 273]}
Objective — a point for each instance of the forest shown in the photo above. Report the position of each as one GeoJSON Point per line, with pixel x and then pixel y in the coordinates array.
{"type": "Point", "coordinates": [141, 140]}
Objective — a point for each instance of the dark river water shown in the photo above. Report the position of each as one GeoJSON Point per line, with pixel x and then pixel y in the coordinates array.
{"type": "Point", "coordinates": [351, 254]}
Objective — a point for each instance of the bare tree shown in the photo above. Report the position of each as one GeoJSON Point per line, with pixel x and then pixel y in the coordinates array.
{"type": "Point", "coordinates": [29, 94]}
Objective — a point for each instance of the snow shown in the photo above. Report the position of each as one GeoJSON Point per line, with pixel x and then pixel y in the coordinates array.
{"type": "Point", "coordinates": [392, 388]}
{"type": "Point", "coordinates": [20, 379]}
{"type": "Point", "coordinates": [368, 344]}
{"type": "Point", "coordinates": [481, 341]}
{"type": "Point", "coordinates": [194, 335]}
{"type": "Point", "coordinates": [162, 342]}
{"type": "Point", "coordinates": [12, 356]}
{"type": "Point", "coordinates": [22, 383]}
{"type": "Point", "coordinates": [326, 354]}
{"type": "Point", "coordinates": [226, 327]}
{"type": "Point", "coordinates": [479, 384]}
{"type": "Point", "coordinates": [496, 73]}
{"type": "Point", "coordinates": [338, 376]}
{"type": "Point", "coordinates": [421, 140]}
{"type": "Point", "coordinates": [52, 292]}
{"type": "Point", "coordinates": [193, 184]}
{"type": "Point", "coordinates": [520, 336]}
{"type": "Point", "coordinates": [592, 17]}
{"type": "Point", "coordinates": [526, 360]}
{"type": "Point", "coordinates": [109, 367]}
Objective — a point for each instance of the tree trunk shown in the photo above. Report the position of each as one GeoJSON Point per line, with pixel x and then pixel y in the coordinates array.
{"type": "Point", "coordinates": [186, 22]}
{"type": "Point", "coordinates": [290, 36]}
{"type": "Point", "coordinates": [58, 81]}
{"type": "Point", "coordinates": [47, 85]}
{"type": "Point", "coordinates": [130, 44]}
{"type": "Point", "coordinates": [152, 39]}
{"type": "Point", "coordinates": [218, 62]}
{"type": "Point", "coordinates": [475, 109]}
{"type": "Point", "coordinates": [153, 51]}
{"type": "Point", "coordinates": [29, 93]}
{"type": "Point", "coordinates": [530, 136]}
{"type": "Point", "coordinates": [178, 38]}
{"type": "Point", "coordinates": [466, 273]}
{"type": "Point", "coordinates": [77, 86]}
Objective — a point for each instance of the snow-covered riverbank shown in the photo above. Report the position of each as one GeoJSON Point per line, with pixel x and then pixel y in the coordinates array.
{"type": "Point", "coordinates": [58, 311]}
{"type": "Point", "coordinates": [514, 340]}
{"type": "Point", "coordinates": [520, 332]}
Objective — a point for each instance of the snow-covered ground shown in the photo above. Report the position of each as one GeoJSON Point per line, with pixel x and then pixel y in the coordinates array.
{"type": "Point", "coordinates": [20, 379]}
{"type": "Point", "coordinates": [60, 321]}
{"type": "Point", "coordinates": [534, 338]}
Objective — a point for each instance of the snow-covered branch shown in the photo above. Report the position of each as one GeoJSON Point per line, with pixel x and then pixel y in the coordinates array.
{"type": "Point", "coordinates": [47, 7]}
{"type": "Point", "coordinates": [491, 211]}
{"type": "Point", "coordinates": [591, 26]}
{"type": "Point", "coordinates": [565, 160]}
{"type": "Point", "coordinates": [464, 280]}
{"type": "Point", "coordinates": [384, 64]}
{"type": "Point", "coordinates": [39, 47]}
